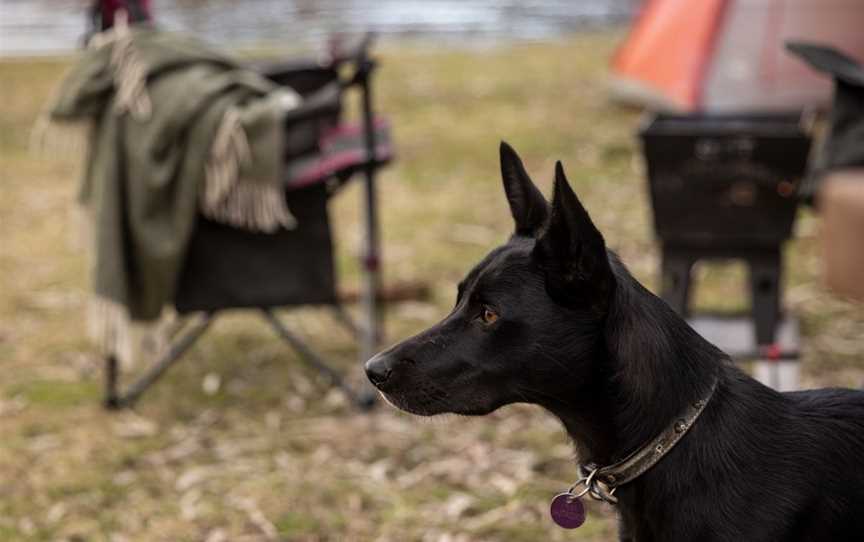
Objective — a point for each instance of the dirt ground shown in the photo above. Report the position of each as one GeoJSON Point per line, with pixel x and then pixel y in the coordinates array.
{"type": "Point", "coordinates": [240, 441]}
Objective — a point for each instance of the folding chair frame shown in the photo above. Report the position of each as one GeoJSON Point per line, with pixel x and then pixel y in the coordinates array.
{"type": "Point", "coordinates": [369, 334]}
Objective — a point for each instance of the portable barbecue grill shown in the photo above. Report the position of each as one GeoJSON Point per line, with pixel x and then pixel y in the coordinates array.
{"type": "Point", "coordinates": [726, 187]}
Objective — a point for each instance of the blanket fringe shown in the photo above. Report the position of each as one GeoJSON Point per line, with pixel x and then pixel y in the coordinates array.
{"type": "Point", "coordinates": [114, 333]}
{"type": "Point", "coordinates": [227, 198]}
{"type": "Point", "coordinates": [71, 137]}
{"type": "Point", "coordinates": [110, 328]}
{"type": "Point", "coordinates": [80, 235]}
{"type": "Point", "coordinates": [130, 77]}
{"type": "Point", "coordinates": [60, 138]}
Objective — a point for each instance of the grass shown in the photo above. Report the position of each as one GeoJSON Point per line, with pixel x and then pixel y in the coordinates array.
{"type": "Point", "coordinates": [271, 454]}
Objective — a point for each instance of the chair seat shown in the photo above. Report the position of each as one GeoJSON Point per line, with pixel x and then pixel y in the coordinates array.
{"type": "Point", "coordinates": [229, 267]}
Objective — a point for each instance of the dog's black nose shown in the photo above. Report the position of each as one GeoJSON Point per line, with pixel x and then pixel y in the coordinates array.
{"type": "Point", "coordinates": [379, 369]}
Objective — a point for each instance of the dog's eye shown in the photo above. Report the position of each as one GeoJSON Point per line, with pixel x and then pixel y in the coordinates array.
{"type": "Point", "coordinates": [489, 316]}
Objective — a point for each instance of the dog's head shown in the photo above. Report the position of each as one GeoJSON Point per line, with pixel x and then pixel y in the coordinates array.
{"type": "Point", "coordinates": [528, 319]}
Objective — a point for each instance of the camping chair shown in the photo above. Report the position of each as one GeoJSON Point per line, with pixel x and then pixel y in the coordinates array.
{"type": "Point", "coordinates": [229, 268]}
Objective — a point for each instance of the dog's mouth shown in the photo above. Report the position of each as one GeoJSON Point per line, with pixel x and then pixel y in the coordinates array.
{"type": "Point", "coordinates": [420, 401]}
{"type": "Point", "coordinates": [407, 388]}
{"type": "Point", "coordinates": [451, 389]}
{"type": "Point", "coordinates": [432, 401]}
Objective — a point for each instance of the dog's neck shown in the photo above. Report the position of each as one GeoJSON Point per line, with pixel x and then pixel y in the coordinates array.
{"type": "Point", "coordinates": [650, 366]}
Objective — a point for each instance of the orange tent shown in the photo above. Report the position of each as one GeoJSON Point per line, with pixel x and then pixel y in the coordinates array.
{"type": "Point", "coordinates": [728, 55]}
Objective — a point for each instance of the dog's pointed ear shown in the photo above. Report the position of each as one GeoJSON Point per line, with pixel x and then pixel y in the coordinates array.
{"type": "Point", "coordinates": [527, 204]}
{"type": "Point", "coordinates": [572, 251]}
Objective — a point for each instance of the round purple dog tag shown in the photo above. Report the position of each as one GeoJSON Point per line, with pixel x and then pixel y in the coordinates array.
{"type": "Point", "coordinates": [567, 511]}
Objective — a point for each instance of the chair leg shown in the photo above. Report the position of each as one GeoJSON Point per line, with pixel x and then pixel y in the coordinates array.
{"type": "Point", "coordinates": [116, 399]}
{"type": "Point", "coordinates": [364, 399]}
{"type": "Point", "coordinates": [345, 319]}
{"type": "Point", "coordinates": [112, 400]}
{"type": "Point", "coordinates": [373, 327]}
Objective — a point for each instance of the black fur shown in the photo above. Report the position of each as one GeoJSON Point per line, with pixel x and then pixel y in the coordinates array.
{"type": "Point", "coordinates": [576, 334]}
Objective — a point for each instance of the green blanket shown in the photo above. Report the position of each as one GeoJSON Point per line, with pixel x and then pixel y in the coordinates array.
{"type": "Point", "coordinates": [177, 128]}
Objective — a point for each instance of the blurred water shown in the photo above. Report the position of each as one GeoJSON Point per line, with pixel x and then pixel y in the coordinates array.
{"type": "Point", "coordinates": [51, 26]}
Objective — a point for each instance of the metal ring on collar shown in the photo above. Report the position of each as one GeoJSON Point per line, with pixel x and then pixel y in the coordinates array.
{"type": "Point", "coordinates": [601, 492]}
{"type": "Point", "coordinates": [589, 482]}
{"type": "Point", "coordinates": [577, 484]}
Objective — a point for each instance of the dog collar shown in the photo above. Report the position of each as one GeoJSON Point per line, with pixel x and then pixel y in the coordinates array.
{"type": "Point", "coordinates": [600, 483]}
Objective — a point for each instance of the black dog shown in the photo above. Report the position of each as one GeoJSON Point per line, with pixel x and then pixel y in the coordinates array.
{"type": "Point", "coordinates": [554, 318]}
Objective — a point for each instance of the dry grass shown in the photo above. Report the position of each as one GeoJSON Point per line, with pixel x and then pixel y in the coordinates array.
{"type": "Point", "coordinates": [269, 455]}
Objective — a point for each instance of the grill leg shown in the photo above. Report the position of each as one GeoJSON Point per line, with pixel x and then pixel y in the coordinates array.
{"type": "Point", "coordinates": [363, 399]}
{"type": "Point", "coordinates": [765, 294]}
{"type": "Point", "coordinates": [116, 399]}
{"type": "Point", "coordinates": [675, 289]}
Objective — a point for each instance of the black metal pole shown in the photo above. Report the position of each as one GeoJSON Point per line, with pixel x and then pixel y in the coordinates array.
{"type": "Point", "coordinates": [372, 253]}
